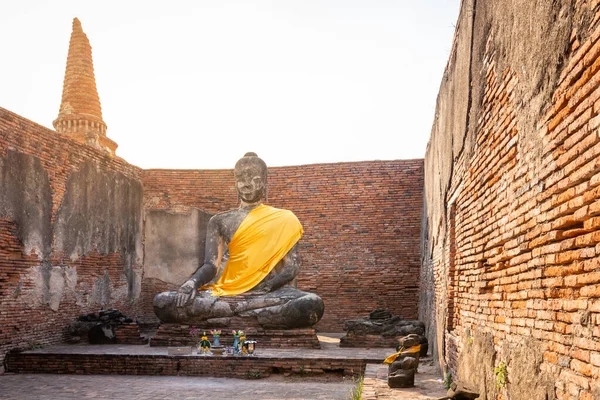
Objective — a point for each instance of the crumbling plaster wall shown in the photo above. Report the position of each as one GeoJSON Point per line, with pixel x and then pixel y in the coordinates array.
{"type": "Point", "coordinates": [174, 244]}
{"type": "Point", "coordinates": [509, 256]}
{"type": "Point", "coordinates": [70, 233]}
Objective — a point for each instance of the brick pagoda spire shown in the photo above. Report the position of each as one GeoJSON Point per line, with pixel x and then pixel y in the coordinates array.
{"type": "Point", "coordinates": [80, 114]}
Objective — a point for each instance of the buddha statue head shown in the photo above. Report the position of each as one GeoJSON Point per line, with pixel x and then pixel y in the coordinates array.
{"type": "Point", "coordinates": [250, 174]}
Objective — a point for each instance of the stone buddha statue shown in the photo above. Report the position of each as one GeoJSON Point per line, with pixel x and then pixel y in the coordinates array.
{"type": "Point", "coordinates": [250, 265]}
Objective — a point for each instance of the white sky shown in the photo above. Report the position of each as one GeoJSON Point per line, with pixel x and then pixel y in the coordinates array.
{"type": "Point", "coordinates": [197, 83]}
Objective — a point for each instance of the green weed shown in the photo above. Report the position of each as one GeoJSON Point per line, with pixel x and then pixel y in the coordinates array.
{"type": "Point", "coordinates": [357, 391]}
{"type": "Point", "coordinates": [501, 375]}
{"type": "Point", "coordinates": [447, 380]}
{"type": "Point", "coordinates": [253, 375]}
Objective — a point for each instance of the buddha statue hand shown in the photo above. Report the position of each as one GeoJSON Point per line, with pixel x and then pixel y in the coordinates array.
{"type": "Point", "coordinates": [186, 293]}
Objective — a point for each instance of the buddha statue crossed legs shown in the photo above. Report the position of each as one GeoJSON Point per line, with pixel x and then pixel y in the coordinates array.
{"type": "Point", "coordinates": [250, 265]}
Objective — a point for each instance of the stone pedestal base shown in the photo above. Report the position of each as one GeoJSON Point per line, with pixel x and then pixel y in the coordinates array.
{"type": "Point", "coordinates": [179, 335]}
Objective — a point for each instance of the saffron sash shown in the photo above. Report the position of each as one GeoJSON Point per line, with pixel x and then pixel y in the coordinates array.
{"type": "Point", "coordinates": [263, 238]}
{"type": "Point", "coordinates": [411, 350]}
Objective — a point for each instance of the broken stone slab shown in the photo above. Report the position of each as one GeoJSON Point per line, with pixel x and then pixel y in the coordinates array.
{"type": "Point", "coordinates": [110, 315]}
{"type": "Point", "coordinates": [393, 326]}
{"type": "Point", "coordinates": [460, 391]}
{"type": "Point", "coordinates": [377, 330]}
{"type": "Point", "coordinates": [99, 328]}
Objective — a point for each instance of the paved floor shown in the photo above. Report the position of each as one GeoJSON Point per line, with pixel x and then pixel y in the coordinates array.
{"type": "Point", "coordinates": [275, 387]}
{"type": "Point", "coordinates": [428, 384]}
{"type": "Point", "coordinates": [71, 387]}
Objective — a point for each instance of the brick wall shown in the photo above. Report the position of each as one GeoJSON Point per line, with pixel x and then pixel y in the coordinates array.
{"type": "Point", "coordinates": [173, 365]}
{"type": "Point", "coordinates": [513, 266]}
{"type": "Point", "coordinates": [361, 222]}
{"type": "Point", "coordinates": [31, 278]}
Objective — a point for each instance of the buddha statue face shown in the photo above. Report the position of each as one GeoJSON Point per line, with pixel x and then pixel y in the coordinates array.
{"type": "Point", "coordinates": [250, 178]}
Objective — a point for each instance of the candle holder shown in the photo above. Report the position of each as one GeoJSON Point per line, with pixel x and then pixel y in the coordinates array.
{"type": "Point", "coordinates": [250, 347]}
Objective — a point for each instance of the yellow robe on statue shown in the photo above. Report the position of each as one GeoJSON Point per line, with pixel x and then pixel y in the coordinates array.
{"type": "Point", "coordinates": [263, 238]}
{"type": "Point", "coordinates": [411, 350]}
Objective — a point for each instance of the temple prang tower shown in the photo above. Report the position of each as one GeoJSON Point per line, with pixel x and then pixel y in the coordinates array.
{"type": "Point", "coordinates": [80, 114]}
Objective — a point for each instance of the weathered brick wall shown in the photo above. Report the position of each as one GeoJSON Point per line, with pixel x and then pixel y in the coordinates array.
{"type": "Point", "coordinates": [43, 288]}
{"type": "Point", "coordinates": [71, 231]}
{"type": "Point", "coordinates": [512, 242]}
{"type": "Point", "coordinates": [361, 228]}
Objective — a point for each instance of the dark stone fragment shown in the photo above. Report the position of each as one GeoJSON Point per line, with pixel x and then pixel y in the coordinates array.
{"type": "Point", "coordinates": [393, 326]}
{"type": "Point", "coordinates": [413, 340]}
{"type": "Point", "coordinates": [380, 313]}
{"type": "Point", "coordinates": [89, 317]}
{"type": "Point", "coordinates": [101, 334]}
{"type": "Point", "coordinates": [400, 364]}
{"type": "Point", "coordinates": [99, 328]}
{"type": "Point", "coordinates": [402, 379]}
{"type": "Point", "coordinates": [409, 363]}
{"type": "Point", "coordinates": [111, 313]}
{"type": "Point", "coordinates": [409, 341]}
{"type": "Point", "coordinates": [424, 347]}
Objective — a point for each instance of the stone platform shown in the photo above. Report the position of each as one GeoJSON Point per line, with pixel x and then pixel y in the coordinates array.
{"type": "Point", "coordinates": [147, 360]}
{"type": "Point", "coordinates": [369, 341]}
{"type": "Point", "coordinates": [179, 335]}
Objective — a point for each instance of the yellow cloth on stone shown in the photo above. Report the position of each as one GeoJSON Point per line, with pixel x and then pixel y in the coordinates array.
{"type": "Point", "coordinates": [263, 238]}
{"type": "Point", "coordinates": [392, 358]}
